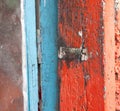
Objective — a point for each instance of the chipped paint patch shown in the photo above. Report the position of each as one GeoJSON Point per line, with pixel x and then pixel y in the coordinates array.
{"type": "Point", "coordinates": [86, 78]}
{"type": "Point", "coordinates": [80, 33]}
{"type": "Point", "coordinates": [84, 54]}
{"type": "Point", "coordinates": [44, 3]}
{"type": "Point", "coordinates": [117, 5]}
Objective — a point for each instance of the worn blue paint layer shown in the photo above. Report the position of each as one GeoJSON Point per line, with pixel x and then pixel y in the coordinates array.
{"type": "Point", "coordinates": [32, 69]}
{"type": "Point", "coordinates": [49, 82]}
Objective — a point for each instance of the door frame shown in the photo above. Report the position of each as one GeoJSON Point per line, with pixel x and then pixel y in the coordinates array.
{"type": "Point", "coordinates": [31, 54]}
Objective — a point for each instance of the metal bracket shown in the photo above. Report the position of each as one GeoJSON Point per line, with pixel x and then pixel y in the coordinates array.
{"type": "Point", "coordinates": [73, 53]}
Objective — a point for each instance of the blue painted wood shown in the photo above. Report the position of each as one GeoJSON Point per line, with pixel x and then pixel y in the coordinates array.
{"type": "Point", "coordinates": [49, 82]}
{"type": "Point", "coordinates": [32, 69]}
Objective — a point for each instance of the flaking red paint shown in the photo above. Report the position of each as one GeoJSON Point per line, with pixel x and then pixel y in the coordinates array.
{"type": "Point", "coordinates": [81, 82]}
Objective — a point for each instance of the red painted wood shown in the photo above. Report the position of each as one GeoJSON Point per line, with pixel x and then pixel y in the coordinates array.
{"type": "Point", "coordinates": [81, 82]}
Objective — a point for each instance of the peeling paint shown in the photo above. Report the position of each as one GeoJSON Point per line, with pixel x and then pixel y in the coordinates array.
{"type": "Point", "coordinates": [81, 27]}
{"type": "Point", "coordinates": [80, 33]}
{"type": "Point", "coordinates": [84, 54]}
{"type": "Point", "coordinates": [117, 5]}
{"type": "Point", "coordinates": [86, 78]}
{"type": "Point", "coordinates": [44, 3]}
{"type": "Point", "coordinates": [117, 53]}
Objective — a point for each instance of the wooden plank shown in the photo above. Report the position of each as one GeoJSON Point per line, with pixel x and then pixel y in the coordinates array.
{"type": "Point", "coordinates": [49, 81]}
{"type": "Point", "coordinates": [82, 80]}
{"type": "Point", "coordinates": [109, 55]}
{"type": "Point", "coordinates": [30, 31]}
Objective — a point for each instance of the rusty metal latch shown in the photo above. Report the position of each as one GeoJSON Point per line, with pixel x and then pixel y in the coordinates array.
{"type": "Point", "coordinates": [73, 53]}
{"type": "Point", "coordinates": [38, 46]}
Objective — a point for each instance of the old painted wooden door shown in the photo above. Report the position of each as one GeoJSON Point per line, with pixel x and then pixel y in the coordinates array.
{"type": "Point", "coordinates": [76, 49]}
{"type": "Point", "coordinates": [71, 67]}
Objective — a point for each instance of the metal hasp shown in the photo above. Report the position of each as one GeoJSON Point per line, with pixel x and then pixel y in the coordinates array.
{"type": "Point", "coordinates": [73, 53]}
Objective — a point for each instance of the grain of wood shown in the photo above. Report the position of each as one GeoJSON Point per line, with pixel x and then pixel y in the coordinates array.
{"type": "Point", "coordinates": [81, 82]}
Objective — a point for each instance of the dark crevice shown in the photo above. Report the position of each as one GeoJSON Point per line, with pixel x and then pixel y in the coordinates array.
{"type": "Point", "coordinates": [37, 7]}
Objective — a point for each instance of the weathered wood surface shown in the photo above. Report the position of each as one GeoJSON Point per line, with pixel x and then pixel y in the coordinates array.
{"type": "Point", "coordinates": [11, 82]}
{"type": "Point", "coordinates": [49, 81]}
{"type": "Point", "coordinates": [81, 78]}
{"type": "Point", "coordinates": [32, 65]}
{"type": "Point", "coordinates": [109, 54]}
